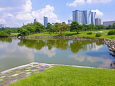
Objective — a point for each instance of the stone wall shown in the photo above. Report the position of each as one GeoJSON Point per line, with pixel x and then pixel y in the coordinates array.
{"type": "Point", "coordinates": [111, 45]}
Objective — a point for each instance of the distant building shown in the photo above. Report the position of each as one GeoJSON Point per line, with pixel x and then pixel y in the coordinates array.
{"type": "Point", "coordinates": [84, 17]}
{"type": "Point", "coordinates": [45, 21]}
{"type": "Point", "coordinates": [107, 23]}
{"type": "Point", "coordinates": [97, 21]}
{"type": "Point", "coordinates": [2, 25]}
{"type": "Point", "coordinates": [35, 20]}
{"type": "Point", "coordinates": [69, 21]}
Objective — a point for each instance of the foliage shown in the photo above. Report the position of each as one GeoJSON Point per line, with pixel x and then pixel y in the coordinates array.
{"type": "Point", "coordinates": [70, 76]}
{"type": "Point", "coordinates": [75, 27]}
{"type": "Point", "coordinates": [111, 26]}
{"type": "Point", "coordinates": [2, 33]}
{"type": "Point", "coordinates": [112, 32]}
{"type": "Point", "coordinates": [89, 33]}
{"type": "Point", "coordinates": [31, 28]}
{"type": "Point", "coordinates": [98, 35]}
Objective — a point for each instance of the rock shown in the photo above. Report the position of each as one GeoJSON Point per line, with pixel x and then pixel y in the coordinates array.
{"type": "Point", "coordinates": [28, 73]}
{"type": "Point", "coordinates": [113, 54]}
{"type": "Point", "coordinates": [1, 80]}
{"type": "Point", "coordinates": [2, 77]}
{"type": "Point", "coordinates": [15, 75]}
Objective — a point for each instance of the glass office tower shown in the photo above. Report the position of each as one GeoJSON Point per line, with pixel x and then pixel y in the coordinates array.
{"type": "Point", "coordinates": [84, 17]}
{"type": "Point", "coordinates": [45, 21]}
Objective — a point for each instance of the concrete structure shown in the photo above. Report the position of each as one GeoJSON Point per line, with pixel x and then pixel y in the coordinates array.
{"type": "Point", "coordinates": [84, 17]}
{"type": "Point", "coordinates": [45, 21]}
{"type": "Point", "coordinates": [107, 23]}
{"type": "Point", "coordinates": [97, 21]}
{"type": "Point", "coordinates": [69, 21]}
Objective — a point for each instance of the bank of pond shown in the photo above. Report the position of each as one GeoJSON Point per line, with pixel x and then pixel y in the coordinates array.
{"type": "Point", "coordinates": [80, 52]}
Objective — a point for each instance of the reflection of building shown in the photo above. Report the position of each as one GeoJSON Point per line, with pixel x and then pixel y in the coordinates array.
{"type": "Point", "coordinates": [45, 21]}
{"type": "Point", "coordinates": [84, 17]}
{"type": "Point", "coordinates": [107, 23]}
{"type": "Point", "coordinates": [97, 21]}
{"type": "Point", "coordinates": [1, 25]}
{"type": "Point", "coordinates": [69, 21]}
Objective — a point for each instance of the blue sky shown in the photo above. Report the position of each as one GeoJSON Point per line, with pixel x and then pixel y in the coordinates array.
{"type": "Point", "coordinates": [16, 12]}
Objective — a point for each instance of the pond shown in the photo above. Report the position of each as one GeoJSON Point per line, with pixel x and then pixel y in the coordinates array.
{"type": "Point", "coordinates": [16, 52]}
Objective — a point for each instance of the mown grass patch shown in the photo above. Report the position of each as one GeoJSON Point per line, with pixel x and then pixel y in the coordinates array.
{"type": "Point", "coordinates": [70, 76]}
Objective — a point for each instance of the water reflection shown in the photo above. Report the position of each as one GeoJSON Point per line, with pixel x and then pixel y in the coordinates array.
{"type": "Point", "coordinates": [62, 44]}
{"type": "Point", "coordinates": [15, 52]}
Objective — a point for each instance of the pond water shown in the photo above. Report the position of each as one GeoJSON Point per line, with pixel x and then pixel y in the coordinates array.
{"type": "Point", "coordinates": [16, 52]}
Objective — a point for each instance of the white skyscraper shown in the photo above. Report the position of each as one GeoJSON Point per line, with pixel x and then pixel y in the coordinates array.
{"type": "Point", "coordinates": [84, 17]}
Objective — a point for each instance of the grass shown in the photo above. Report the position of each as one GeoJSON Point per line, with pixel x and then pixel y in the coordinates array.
{"type": "Point", "coordinates": [14, 33]}
{"type": "Point", "coordinates": [70, 76]}
{"type": "Point", "coordinates": [82, 34]}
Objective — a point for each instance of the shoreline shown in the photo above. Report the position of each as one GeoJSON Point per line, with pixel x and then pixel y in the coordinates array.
{"type": "Point", "coordinates": [43, 64]}
{"type": "Point", "coordinates": [17, 73]}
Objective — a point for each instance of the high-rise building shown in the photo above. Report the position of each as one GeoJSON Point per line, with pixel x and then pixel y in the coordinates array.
{"type": "Point", "coordinates": [69, 21]}
{"type": "Point", "coordinates": [97, 21]}
{"type": "Point", "coordinates": [84, 17]}
{"type": "Point", "coordinates": [45, 21]}
{"type": "Point", "coordinates": [107, 23]}
{"type": "Point", "coordinates": [35, 20]}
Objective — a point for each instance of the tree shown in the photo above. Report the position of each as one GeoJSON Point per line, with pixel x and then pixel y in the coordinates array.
{"type": "Point", "coordinates": [74, 26]}
{"type": "Point", "coordinates": [23, 32]}
{"type": "Point", "coordinates": [49, 28]}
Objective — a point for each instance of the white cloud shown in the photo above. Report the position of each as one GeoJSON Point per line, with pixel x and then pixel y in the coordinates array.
{"type": "Point", "coordinates": [24, 16]}
{"type": "Point", "coordinates": [2, 21]}
{"type": "Point", "coordinates": [98, 13]}
{"type": "Point", "coordinates": [75, 3]}
{"type": "Point", "coordinates": [98, 1]}
{"type": "Point", "coordinates": [21, 12]}
{"type": "Point", "coordinates": [46, 51]}
{"type": "Point", "coordinates": [48, 11]}
{"type": "Point", "coordinates": [28, 6]}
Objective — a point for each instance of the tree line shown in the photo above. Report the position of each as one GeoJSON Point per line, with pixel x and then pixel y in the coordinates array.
{"type": "Point", "coordinates": [59, 28]}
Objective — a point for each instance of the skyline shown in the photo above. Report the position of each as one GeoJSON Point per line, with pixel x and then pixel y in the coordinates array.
{"type": "Point", "coordinates": [15, 13]}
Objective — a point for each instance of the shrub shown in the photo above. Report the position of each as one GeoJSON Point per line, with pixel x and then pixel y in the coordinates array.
{"type": "Point", "coordinates": [89, 33]}
{"type": "Point", "coordinates": [112, 32]}
{"type": "Point", "coordinates": [2, 33]}
{"type": "Point", "coordinates": [98, 34]}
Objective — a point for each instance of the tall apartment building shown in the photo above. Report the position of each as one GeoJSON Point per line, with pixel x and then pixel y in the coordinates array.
{"type": "Point", "coordinates": [84, 17]}
{"type": "Point", "coordinates": [35, 20]}
{"type": "Point", "coordinates": [45, 21]}
{"type": "Point", "coordinates": [69, 21]}
{"type": "Point", "coordinates": [97, 21]}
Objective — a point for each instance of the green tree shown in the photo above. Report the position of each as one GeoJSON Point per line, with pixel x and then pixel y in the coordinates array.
{"type": "Point", "coordinates": [49, 28]}
{"type": "Point", "coordinates": [74, 26]}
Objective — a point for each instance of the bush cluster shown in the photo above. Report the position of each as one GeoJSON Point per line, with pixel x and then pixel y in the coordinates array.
{"type": "Point", "coordinates": [112, 32]}
{"type": "Point", "coordinates": [89, 33]}
{"type": "Point", "coordinates": [2, 33]}
{"type": "Point", "coordinates": [98, 35]}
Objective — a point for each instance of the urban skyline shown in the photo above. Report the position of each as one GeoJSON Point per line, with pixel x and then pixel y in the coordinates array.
{"type": "Point", "coordinates": [24, 11]}
{"type": "Point", "coordinates": [84, 17]}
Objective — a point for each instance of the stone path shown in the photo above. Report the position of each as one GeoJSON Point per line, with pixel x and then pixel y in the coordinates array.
{"type": "Point", "coordinates": [12, 75]}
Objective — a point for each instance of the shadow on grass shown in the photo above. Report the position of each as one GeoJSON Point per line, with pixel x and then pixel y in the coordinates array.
{"type": "Point", "coordinates": [70, 34]}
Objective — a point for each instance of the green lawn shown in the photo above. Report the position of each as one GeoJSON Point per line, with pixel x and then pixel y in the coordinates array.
{"type": "Point", "coordinates": [70, 76]}
{"type": "Point", "coordinates": [82, 34]}
{"type": "Point", "coordinates": [14, 33]}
